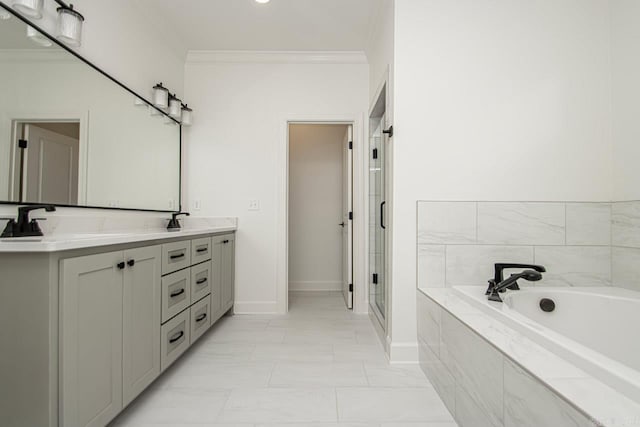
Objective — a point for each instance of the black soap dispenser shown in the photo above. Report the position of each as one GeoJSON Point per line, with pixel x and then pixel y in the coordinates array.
{"type": "Point", "coordinates": [174, 222]}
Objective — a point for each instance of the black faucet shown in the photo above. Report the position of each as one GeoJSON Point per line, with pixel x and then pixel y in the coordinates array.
{"type": "Point", "coordinates": [174, 223]}
{"type": "Point", "coordinates": [24, 227]}
{"type": "Point", "coordinates": [499, 284]}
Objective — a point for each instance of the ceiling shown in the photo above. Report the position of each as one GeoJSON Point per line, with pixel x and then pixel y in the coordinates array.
{"type": "Point", "coordinates": [282, 25]}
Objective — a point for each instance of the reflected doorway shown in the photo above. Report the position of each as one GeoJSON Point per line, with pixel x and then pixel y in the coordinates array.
{"type": "Point", "coordinates": [46, 162]}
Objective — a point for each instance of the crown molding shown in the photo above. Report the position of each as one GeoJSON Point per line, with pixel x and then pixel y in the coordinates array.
{"type": "Point", "coordinates": [275, 57]}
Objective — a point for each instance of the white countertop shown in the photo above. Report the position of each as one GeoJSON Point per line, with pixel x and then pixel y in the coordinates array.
{"type": "Point", "coordinates": [65, 242]}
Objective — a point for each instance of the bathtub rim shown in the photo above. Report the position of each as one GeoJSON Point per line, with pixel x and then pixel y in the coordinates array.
{"type": "Point", "coordinates": [609, 405]}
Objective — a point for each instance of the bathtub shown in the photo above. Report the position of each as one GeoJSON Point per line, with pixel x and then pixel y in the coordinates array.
{"type": "Point", "coordinates": [595, 328]}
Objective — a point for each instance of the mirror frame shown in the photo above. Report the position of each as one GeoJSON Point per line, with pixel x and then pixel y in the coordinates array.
{"type": "Point", "coordinates": [26, 20]}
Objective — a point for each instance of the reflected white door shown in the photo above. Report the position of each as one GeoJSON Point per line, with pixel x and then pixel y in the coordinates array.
{"type": "Point", "coordinates": [347, 217]}
{"type": "Point", "coordinates": [51, 172]}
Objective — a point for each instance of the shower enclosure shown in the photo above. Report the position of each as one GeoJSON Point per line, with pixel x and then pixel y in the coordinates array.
{"type": "Point", "coordinates": [378, 210]}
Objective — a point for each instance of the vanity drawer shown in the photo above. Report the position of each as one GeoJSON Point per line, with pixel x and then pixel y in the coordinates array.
{"type": "Point", "coordinates": [176, 293]}
{"type": "Point", "coordinates": [176, 256]}
{"type": "Point", "coordinates": [200, 318]}
{"type": "Point", "coordinates": [200, 250]}
{"type": "Point", "coordinates": [176, 338]}
{"type": "Point", "coordinates": [200, 281]}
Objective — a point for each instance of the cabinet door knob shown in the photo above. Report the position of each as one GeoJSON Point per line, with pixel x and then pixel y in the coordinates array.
{"type": "Point", "coordinates": [120, 265]}
{"type": "Point", "coordinates": [131, 262]}
{"type": "Point", "coordinates": [225, 241]}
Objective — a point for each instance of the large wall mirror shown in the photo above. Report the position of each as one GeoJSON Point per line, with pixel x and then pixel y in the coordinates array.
{"type": "Point", "coordinates": [71, 135]}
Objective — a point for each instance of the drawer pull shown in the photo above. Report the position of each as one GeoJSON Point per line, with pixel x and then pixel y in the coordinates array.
{"type": "Point", "coordinates": [176, 337]}
{"type": "Point", "coordinates": [201, 281]}
{"type": "Point", "coordinates": [201, 317]}
{"type": "Point", "coordinates": [177, 256]}
{"type": "Point", "coordinates": [177, 294]}
{"type": "Point", "coordinates": [202, 250]}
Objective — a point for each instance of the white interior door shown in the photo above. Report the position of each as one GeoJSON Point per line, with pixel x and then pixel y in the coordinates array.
{"type": "Point", "coordinates": [347, 218]}
{"type": "Point", "coordinates": [51, 173]}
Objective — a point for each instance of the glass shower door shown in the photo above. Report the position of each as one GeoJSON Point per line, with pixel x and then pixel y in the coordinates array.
{"type": "Point", "coordinates": [377, 224]}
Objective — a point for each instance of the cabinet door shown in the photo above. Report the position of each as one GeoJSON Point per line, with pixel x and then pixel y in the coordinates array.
{"type": "Point", "coordinates": [228, 271]}
{"type": "Point", "coordinates": [141, 320]}
{"type": "Point", "coordinates": [91, 339]}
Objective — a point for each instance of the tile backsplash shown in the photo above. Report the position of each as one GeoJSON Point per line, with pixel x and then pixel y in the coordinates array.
{"type": "Point", "coordinates": [458, 242]}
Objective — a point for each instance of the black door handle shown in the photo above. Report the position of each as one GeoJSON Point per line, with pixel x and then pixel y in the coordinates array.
{"type": "Point", "coordinates": [177, 256]}
{"type": "Point", "coordinates": [201, 317]}
{"type": "Point", "coordinates": [177, 294]}
{"type": "Point", "coordinates": [200, 250]}
{"type": "Point", "coordinates": [176, 337]}
{"type": "Point", "coordinates": [382, 215]}
{"type": "Point", "coordinates": [201, 281]}
{"type": "Point", "coordinates": [341, 224]}
{"type": "Point", "coordinates": [121, 265]}
{"type": "Point", "coordinates": [131, 262]}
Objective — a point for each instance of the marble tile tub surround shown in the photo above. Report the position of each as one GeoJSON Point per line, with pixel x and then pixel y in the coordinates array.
{"type": "Point", "coordinates": [458, 242]}
{"type": "Point", "coordinates": [79, 221]}
{"type": "Point", "coordinates": [490, 375]}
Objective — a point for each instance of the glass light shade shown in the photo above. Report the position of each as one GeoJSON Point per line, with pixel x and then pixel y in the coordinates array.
{"type": "Point", "coordinates": [187, 116]}
{"type": "Point", "coordinates": [69, 26]}
{"type": "Point", "coordinates": [4, 14]}
{"type": "Point", "coordinates": [37, 37]}
{"type": "Point", "coordinates": [30, 8]}
{"type": "Point", "coordinates": [175, 107]}
{"type": "Point", "coordinates": [160, 96]}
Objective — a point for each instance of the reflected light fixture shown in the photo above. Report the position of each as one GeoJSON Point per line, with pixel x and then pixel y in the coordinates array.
{"type": "Point", "coordinates": [175, 107]}
{"type": "Point", "coordinates": [4, 14]}
{"type": "Point", "coordinates": [187, 115]}
{"type": "Point", "coordinates": [30, 8]}
{"type": "Point", "coordinates": [160, 96]}
{"type": "Point", "coordinates": [69, 24]}
{"type": "Point", "coordinates": [262, 1]}
{"type": "Point", "coordinates": [37, 37]}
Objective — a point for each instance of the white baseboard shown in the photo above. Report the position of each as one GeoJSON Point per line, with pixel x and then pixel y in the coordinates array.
{"type": "Point", "coordinates": [315, 286]}
{"type": "Point", "coordinates": [255, 307]}
{"type": "Point", "coordinates": [402, 352]}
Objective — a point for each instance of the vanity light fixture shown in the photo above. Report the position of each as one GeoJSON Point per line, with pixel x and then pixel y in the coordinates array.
{"type": "Point", "coordinates": [262, 1]}
{"type": "Point", "coordinates": [187, 115]}
{"type": "Point", "coordinates": [175, 106]}
{"type": "Point", "coordinates": [160, 96]}
{"type": "Point", "coordinates": [30, 8]}
{"type": "Point", "coordinates": [69, 24]}
{"type": "Point", "coordinates": [37, 37]}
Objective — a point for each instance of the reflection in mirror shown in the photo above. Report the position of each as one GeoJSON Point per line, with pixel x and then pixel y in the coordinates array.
{"type": "Point", "coordinates": [69, 135]}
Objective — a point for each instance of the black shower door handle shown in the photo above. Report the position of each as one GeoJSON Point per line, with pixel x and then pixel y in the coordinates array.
{"type": "Point", "coordinates": [382, 215]}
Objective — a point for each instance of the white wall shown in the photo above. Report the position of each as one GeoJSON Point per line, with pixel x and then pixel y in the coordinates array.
{"type": "Point", "coordinates": [625, 20]}
{"type": "Point", "coordinates": [315, 207]}
{"type": "Point", "coordinates": [235, 144]}
{"type": "Point", "coordinates": [495, 100]}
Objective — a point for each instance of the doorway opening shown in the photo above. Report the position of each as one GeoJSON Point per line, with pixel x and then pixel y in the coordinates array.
{"type": "Point", "coordinates": [320, 211]}
{"type": "Point", "coordinates": [45, 162]}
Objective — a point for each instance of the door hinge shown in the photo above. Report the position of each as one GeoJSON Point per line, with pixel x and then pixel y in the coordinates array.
{"type": "Point", "coordinates": [375, 153]}
{"type": "Point", "coordinates": [351, 216]}
{"type": "Point", "coordinates": [22, 143]}
{"type": "Point", "coordinates": [350, 145]}
{"type": "Point", "coordinates": [351, 287]}
{"type": "Point", "coordinates": [375, 278]}
{"type": "Point", "coordinates": [389, 131]}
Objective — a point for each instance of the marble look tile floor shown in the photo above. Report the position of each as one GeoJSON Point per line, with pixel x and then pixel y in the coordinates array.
{"type": "Point", "coordinates": [318, 366]}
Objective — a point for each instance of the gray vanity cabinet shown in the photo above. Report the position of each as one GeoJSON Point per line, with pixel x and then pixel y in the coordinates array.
{"type": "Point", "coordinates": [224, 269]}
{"type": "Point", "coordinates": [91, 339]}
{"type": "Point", "coordinates": [110, 334]}
{"type": "Point", "coordinates": [141, 329]}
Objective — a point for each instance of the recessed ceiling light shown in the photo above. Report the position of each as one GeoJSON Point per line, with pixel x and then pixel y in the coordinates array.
{"type": "Point", "coordinates": [262, 1]}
